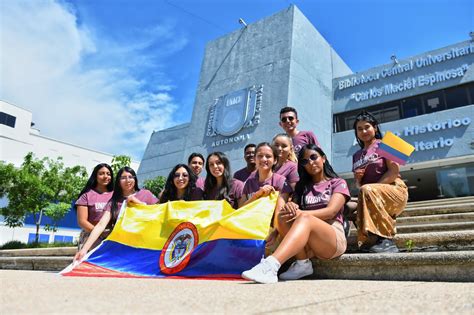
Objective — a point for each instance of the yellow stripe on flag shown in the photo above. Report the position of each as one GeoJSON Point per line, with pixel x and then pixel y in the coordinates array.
{"type": "Point", "coordinates": [397, 143]}
{"type": "Point", "coordinates": [149, 227]}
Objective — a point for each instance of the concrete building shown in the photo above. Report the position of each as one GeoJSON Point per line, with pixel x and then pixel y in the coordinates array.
{"type": "Point", "coordinates": [18, 137]}
{"type": "Point", "coordinates": [248, 75]}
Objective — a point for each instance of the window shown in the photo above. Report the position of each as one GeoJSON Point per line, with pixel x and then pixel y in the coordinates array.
{"type": "Point", "coordinates": [43, 238]}
{"type": "Point", "coordinates": [7, 120]}
{"type": "Point", "coordinates": [62, 239]}
{"type": "Point", "coordinates": [456, 97]}
{"type": "Point", "coordinates": [434, 102]}
{"type": "Point", "coordinates": [411, 107]}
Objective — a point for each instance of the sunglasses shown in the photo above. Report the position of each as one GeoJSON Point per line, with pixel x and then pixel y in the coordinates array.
{"type": "Point", "coordinates": [312, 157]}
{"type": "Point", "coordinates": [178, 175]}
{"type": "Point", "coordinates": [287, 119]}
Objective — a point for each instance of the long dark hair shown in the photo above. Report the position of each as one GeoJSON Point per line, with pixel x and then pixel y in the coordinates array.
{"type": "Point", "coordinates": [211, 182]}
{"type": "Point", "coordinates": [305, 179]}
{"type": "Point", "coordinates": [170, 193]}
{"type": "Point", "coordinates": [117, 196]}
{"type": "Point", "coordinates": [92, 181]}
{"type": "Point", "coordinates": [368, 117]}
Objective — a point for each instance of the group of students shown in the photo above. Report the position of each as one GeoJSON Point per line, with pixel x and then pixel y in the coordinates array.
{"type": "Point", "coordinates": [309, 215]}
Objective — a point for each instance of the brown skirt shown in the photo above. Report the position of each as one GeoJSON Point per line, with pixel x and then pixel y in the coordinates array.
{"type": "Point", "coordinates": [377, 208]}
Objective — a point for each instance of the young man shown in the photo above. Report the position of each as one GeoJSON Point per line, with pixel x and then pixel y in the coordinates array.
{"type": "Point", "coordinates": [196, 163]}
{"type": "Point", "coordinates": [249, 156]}
{"type": "Point", "coordinates": [289, 121]}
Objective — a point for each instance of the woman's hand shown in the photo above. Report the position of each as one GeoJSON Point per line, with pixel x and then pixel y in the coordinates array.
{"type": "Point", "coordinates": [290, 211]}
{"type": "Point", "coordinates": [359, 174]}
{"type": "Point", "coordinates": [79, 256]}
{"type": "Point", "coordinates": [264, 191]}
{"type": "Point", "coordinates": [134, 200]}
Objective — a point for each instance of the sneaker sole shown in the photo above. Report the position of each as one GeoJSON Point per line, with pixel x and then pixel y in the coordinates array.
{"type": "Point", "coordinates": [246, 277]}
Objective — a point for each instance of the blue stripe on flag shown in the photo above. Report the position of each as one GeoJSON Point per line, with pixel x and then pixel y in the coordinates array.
{"type": "Point", "coordinates": [218, 257]}
{"type": "Point", "coordinates": [392, 151]}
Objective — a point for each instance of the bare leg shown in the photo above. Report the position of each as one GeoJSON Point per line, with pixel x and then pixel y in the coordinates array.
{"type": "Point", "coordinates": [283, 228]}
{"type": "Point", "coordinates": [306, 229]}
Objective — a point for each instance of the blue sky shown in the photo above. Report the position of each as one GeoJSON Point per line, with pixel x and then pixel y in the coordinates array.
{"type": "Point", "coordinates": [123, 68]}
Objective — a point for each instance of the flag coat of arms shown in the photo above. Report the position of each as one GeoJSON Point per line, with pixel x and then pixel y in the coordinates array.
{"type": "Point", "coordinates": [395, 148]}
{"type": "Point", "coordinates": [199, 239]}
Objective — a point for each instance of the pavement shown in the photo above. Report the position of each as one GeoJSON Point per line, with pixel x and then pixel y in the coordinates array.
{"type": "Point", "coordinates": [34, 292]}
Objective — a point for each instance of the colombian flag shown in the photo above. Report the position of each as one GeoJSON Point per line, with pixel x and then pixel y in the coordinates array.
{"type": "Point", "coordinates": [394, 148]}
{"type": "Point", "coordinates": [197, 239]}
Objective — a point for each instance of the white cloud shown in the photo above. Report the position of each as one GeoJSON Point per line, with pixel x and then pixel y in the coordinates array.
{"type": "Point", "coordinates": [81, 87]}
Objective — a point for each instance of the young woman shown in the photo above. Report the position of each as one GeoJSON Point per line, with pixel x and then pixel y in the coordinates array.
{"type": "Point", "coordinates": [286, 165]}
{"type": "Point", "coordinates": [219, 183]}
{"type": "Point", "coordinates": [180, 185]}
{"type": "Point", "coordinates": [125, 187]}
{"type": "Point", "coordinates": [265, 180]}
{"type": "Point", "coordinates": [313, 220]}
{"type": "Point", "coordinates": [92, 200]}
{"type": "Point", "coordinates": [382, 196]}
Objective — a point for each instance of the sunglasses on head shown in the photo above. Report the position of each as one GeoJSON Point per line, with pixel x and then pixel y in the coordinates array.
{"type": "Point", "coordinates": [178, 175]}
{"type": "Point", "coordinates": [287, 119]}
{"type": "Point", "coordinates": [312, 157]}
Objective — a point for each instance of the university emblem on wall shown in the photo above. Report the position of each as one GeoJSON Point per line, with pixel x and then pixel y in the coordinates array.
{"type": "Point", "coordinates": [234, 111]}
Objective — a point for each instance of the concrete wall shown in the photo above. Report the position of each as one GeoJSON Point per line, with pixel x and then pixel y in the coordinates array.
{"type": "Point", "coordinates": [453, 60]}
{"type": "Point", "coordinates": [283, 53]}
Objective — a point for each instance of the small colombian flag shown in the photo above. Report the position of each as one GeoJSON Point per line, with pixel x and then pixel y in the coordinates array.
{"type": "Point", "coordinates": [395, 148]}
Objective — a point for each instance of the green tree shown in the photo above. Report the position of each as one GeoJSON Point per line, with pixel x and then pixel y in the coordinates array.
{"type": "Point", "coordinates": [155, 185]}
{"type": "Point", "coordinates": [119, 161]}
{"type": "Point", "coordinates": [37, 187]}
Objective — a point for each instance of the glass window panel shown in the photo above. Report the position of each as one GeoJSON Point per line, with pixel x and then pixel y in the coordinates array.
{"type": "Point", "coordinates": [456, 97]}
{"type": "Point", "coordinates": [411, 107]}
{"type": "Point", "coordinates": [434, 102]}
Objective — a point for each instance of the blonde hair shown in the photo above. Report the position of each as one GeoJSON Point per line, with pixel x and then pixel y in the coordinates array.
{"type": "Point", "coordinates": [292, 154]}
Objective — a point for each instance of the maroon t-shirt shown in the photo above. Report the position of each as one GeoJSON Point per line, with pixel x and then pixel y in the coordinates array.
{"type": "Point", "coordinates": [234, 194]}
{"type": "Point", "coordinates": [252, 185]}
{"type": "Point", "coordinates": [144, 195]}
{"type": "Point", "coordinates": [289, 169]}
{"type": "Point", "coordinates": [318, 195]}
{"type": "Point", "coordinates": [375, 165]}
{"type": "Point", "coordinates": [95, 203]}
{"type": "Point", "coordinates": [302, 138]}
{"type": "Point", "coordinates": [200, 182]}
{"type": "Point", "coordinates": [243, 174]}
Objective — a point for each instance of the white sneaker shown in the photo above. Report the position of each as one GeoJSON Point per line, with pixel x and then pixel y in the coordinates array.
{"type": "Point", "coordinates": [264, 272]}
{"type": "Point", "coordinates": [298, 271]}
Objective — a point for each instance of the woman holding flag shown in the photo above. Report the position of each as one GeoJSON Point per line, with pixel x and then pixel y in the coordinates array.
{"type": "Point", "coordinates": [219, 183]}
{"type": "Point", "coordinates": [180, 185]}
{"type": "Point", "coordinates": [382, 196]}
{"type": "Point", "coordinates": [125, 188]}
{"type": "Point", "coordinates": [313, 220]}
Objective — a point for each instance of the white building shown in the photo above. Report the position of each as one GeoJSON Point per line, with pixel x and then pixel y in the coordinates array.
{"type": "Point", "coordinates": [18, 137]}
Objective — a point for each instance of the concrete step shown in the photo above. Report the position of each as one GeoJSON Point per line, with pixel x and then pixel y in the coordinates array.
{"type": "Point", "coordinates": [437, 218]}
{"type": "Point", "coordinates": [429, 227]}
{"type": "Point", "coordinates": [45, 263]}
{"type": "Point", "coordinates": [52, 251]}
{"type": "Point", "coordinates": [435, 227]}
{"type": "Point", "coordinates": [436, 266]}
{"type": "Point", "coordinates": [438, 209]}
{"type": "Point", "coordinates": [469, 199]}
{"type": "Point", "coordinates": [429, 241]}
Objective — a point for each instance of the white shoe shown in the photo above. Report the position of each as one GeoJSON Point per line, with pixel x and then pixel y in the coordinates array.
{"type": "Point", "coordinates": [264, 272]}
{"type": "Point", "coordinates": [298, 271]}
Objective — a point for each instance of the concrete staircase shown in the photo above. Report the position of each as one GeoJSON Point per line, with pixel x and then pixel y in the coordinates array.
{"type": "Point", "coordinates": [436, 240]}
